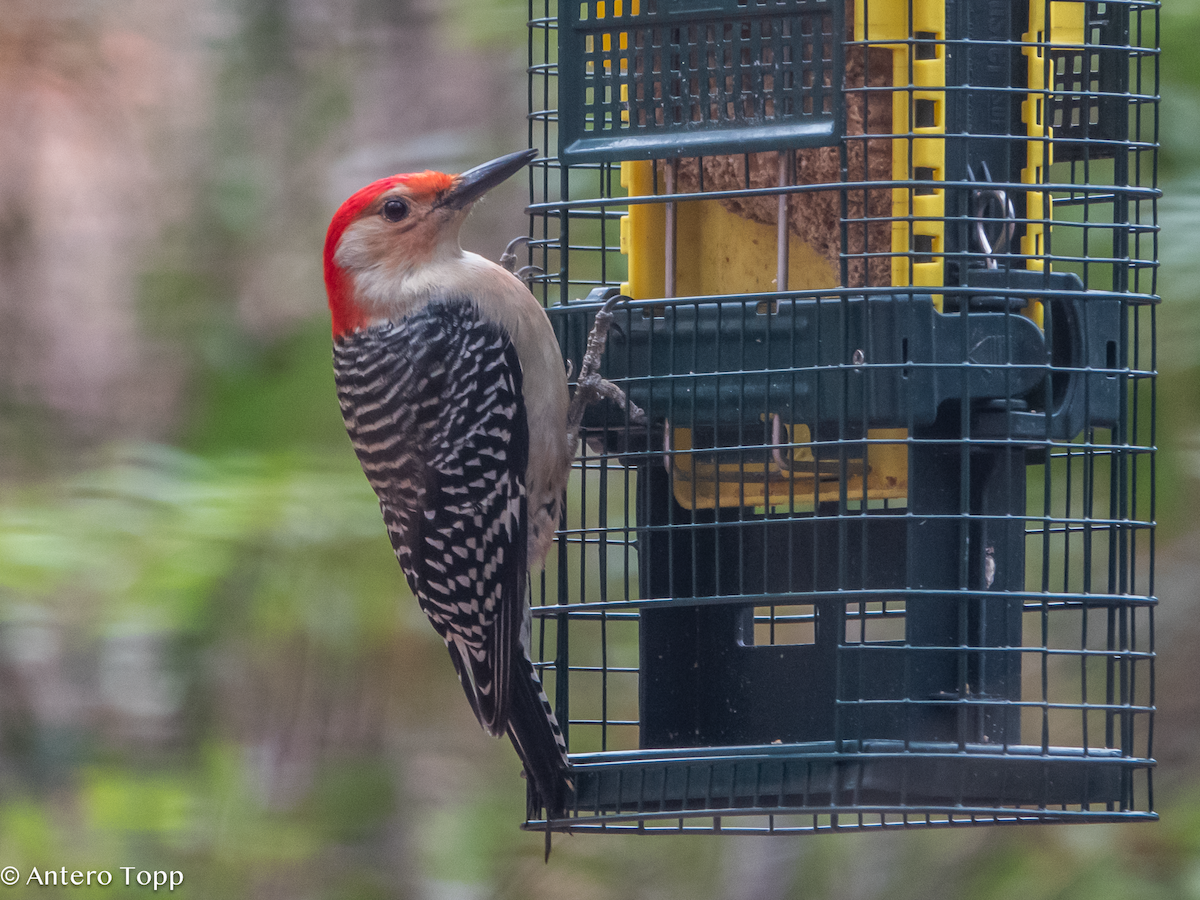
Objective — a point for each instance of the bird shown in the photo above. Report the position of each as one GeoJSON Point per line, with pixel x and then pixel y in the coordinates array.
{"type": "Point", "coordinates": [454, 393]}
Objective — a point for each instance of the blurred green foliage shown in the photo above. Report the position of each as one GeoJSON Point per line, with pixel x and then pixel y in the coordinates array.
{"type": "Point", "coordinates": [1179, 218]}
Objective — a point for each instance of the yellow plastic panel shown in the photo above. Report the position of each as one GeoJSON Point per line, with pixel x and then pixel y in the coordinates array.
{"type": "Point", "coordinates": [916, 82]}
{"type": "Point", "coordinates": [716, 251]}
{"type": "Point", "coordinates": [700, 483]}
{"type": "Point", "coordinates": [1067, 25]}
{"type": "Point", "coordinates": [643, 232]}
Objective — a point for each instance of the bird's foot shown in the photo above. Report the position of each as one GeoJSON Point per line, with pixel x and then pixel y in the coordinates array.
{"type": "Point", "coordinates": [590, 386]}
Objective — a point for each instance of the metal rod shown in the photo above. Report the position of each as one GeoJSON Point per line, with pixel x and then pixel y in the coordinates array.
{"type": "Point", "coordinates": [669, 171]}
{"type": "Point", "coordinates": [781, 238]}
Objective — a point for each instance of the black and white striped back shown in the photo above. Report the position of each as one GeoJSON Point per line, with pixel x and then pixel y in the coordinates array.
{"type": "Point", "coordinates": [434, 408]}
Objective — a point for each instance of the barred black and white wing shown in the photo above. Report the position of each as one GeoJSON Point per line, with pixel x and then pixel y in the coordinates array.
{"type": "Point", "coordinates": [434, 407]}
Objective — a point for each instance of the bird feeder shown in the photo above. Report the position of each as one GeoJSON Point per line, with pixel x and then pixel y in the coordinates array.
{"type": "Point", "coordinates": [882, 553]}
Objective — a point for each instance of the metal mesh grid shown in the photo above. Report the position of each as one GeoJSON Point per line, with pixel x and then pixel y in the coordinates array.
{"type": "Point", "coordinates": [884, 555]}
{"type": "Point", "coordinates": [658, 75]}
{"type": "Point", "coordinates": [1090, 84]}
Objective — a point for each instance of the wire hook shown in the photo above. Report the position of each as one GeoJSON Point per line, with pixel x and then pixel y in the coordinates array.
{"type": "Point", "coordinates": [982, 201]}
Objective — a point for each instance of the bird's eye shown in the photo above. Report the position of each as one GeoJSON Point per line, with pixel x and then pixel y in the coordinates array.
{"type": "Point", "coordinates": [394, 209]}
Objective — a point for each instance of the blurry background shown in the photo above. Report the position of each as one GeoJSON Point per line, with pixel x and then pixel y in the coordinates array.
{"type": "Point", "coordinates": [207, 660]}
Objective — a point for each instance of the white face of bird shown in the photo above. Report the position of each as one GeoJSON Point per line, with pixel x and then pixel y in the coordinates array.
{"type": "Point", "coordinates": [389, 240]}
{"type": "Point", "coordinates": [401, 231]}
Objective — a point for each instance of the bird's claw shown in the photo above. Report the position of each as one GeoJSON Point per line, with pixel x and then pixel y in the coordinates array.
{"type": "Point", "coordinates": [528, 273]}
{"type": "Point", "coordinates": [508, 259]}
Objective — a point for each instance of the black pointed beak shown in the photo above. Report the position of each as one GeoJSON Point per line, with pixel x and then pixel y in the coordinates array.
{"type": "Point", "coordinates": [474, 183]}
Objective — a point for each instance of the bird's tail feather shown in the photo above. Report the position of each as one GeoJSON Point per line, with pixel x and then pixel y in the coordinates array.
{"type": "Point", "coordinates": [534, 732]}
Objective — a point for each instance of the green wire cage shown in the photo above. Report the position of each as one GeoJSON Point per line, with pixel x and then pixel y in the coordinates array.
{"type": "Point", "coordinates": [882, 554]}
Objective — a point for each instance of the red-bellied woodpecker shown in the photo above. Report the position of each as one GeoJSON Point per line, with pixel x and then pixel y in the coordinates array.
{"type": "Point", "coordinates": [454, 393]}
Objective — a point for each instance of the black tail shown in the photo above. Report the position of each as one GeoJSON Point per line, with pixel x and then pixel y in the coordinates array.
{"type": "Point", "coordinates": [535, 734]}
